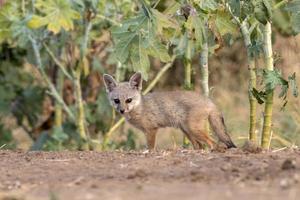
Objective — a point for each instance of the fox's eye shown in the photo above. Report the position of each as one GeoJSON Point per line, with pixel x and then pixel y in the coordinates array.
{"type": "Point", "coordinates": [117, 101]}
{"type": "Point", "coordinates": [128, 100]}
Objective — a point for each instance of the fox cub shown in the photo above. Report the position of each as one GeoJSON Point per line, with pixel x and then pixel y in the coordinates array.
{"type": "Point", "coordinates": [187, 111]}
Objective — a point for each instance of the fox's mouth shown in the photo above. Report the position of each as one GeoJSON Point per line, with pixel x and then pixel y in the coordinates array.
{"type": "Point", "coordinates": [123, 111]}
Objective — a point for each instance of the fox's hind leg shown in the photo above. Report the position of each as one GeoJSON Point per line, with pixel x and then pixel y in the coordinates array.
{"type": "Point", "coordinates": [151, 137]}
{"type": "Point", "coordinates": [196, 144]}
{"type": "Point", "coordinates": [198, 131]}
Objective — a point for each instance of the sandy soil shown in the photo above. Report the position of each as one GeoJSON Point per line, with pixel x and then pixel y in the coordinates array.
{"type": "Point", "coordinates": [180, 174]}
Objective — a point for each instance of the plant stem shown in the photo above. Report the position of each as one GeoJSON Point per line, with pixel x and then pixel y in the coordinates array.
{"type": "Point", "coordinates": [114, 22]}
{"type": "Point", "coordinates": [269, 63]}
{"type": "Point", "coordinates": [188, 67]}
{"type": "Point", "coordinates": [32, 6]}
{"type": "Point", "coordinates": [80, 106]}
{"type": "Point", "coordinates": [57, 62]}
{"type": "Point", "coordinates": [23, 8]}
{"type": "Point", "coordinates": [50, 85]}
{"type": "Point", "coordinates": [161, 72]}
{"type": "Point", "coordinates": [252, 82]}
{"type": "Point", "coordinates": [280, 4]}
{"type": "Point", "coordinates": [120, 72]}
{"type": "Point", "coordinates": [204, 69]}
{"type": "Point", "coordinates": [58, 108]}
{"type": "Point", "coordinates": [187, 78]}
{"type": "Point", "coordinates": [80, 110]}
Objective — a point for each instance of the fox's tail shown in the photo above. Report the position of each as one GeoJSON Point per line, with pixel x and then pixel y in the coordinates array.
{"type": "Point", "coordinates": [216, 121]}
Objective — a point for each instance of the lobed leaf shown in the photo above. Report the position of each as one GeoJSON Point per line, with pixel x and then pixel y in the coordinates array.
{"type": "Point", "coordinates": [140, 60]}
{"type": "Point", "coordinates": [58, 14]}
{"type": "Point", "coordinates": [224, 23]}
{"type": "Point", "coordinates": [263, 10]}
{"type": "Point", "coordinates": [196, 26]}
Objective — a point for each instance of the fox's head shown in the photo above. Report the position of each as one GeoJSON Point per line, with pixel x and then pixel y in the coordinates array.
{"type": "Point", "coordinates": [124, 96]}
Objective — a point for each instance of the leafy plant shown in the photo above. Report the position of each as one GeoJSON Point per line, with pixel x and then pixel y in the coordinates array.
{"type": "Point", "coordinates": [58, 15]}
{"type": "Point", "coordinates": [273, 79]}
{"type": "Point", "coordinates": [136, 39]}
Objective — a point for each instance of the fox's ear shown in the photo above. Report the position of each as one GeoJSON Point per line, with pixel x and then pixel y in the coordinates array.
{"type": "Point", "coordinates": [136, 81]}
{"type": "Point", "coordinates": [110, 82]}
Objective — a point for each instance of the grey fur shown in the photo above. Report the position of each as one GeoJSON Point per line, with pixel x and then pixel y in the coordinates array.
{"type": "Point", "coordinates": [187, 111]}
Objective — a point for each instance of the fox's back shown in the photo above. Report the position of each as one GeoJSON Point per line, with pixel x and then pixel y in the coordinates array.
{"type": "Point", "coordinates": [163, 109]}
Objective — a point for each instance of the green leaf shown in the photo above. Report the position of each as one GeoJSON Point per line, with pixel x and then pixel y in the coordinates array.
{"type": "Point", "coordinates": [296, 22]}
{"type": "Point", "coordinates": [59, 135]}
{"type": "Point", "coordinates": [127, 34]}
{"type": "Point", "coordinates": [224, 23]}
{"type": "Point", "coordinates": [255, 49]}
{"type": "Point", "coordinates": [196, 26]}
{"type": "Point", "coordinates": [293, 6]}
{"type": "Point", "coordinates": [272, 79]}
{"type": "Point", "coordinates": [157, 49]}
{"type": "Point", "coordinates": [208, 5]}
{"type": "Point", "coordinates": [137, 38]}
{"type": "Point", "coordinates": [163, 21]}
{"type": "Point", "coordinates": [260, 96]}
{"type": "Point", "coordinates": [9, 14]}
{"type": "Point", "coordinates": [37, 22]}
{"type": "Point", "coordinates": [263, 10]}
{"type": "Point", "coordinates": [58, 14]}
{"type": "Point", "coordinates": [140, 60]}
{"type": "Point", "coordinates": [181, 45]}
{"type": "Point", "coordinates": [172, 9]}
{"type": "Point", "coordinates": [282, 21]}
{"type": "Point", "coordinates": [235, 6]}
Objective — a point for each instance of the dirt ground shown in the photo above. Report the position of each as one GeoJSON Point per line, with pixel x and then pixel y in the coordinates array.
{"type": "Point", "coordinates": [171, 174]}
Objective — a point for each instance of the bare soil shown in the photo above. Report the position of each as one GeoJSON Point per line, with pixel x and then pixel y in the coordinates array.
{"type": "Point", "coordinates": [171, 174]}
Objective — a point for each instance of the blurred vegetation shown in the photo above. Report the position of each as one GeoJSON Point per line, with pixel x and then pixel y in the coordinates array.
{"type": "Point", "coordinates": [54, 52]}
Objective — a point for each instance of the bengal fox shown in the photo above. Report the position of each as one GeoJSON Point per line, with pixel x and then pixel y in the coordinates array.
{"type": "Point", "coordinates": [185, 110]}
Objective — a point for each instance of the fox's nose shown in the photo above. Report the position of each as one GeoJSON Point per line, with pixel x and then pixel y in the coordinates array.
{"type": "Point", "coordinates": [122, 111]}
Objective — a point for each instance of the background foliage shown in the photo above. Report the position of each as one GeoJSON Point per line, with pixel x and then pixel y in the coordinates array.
{"type": "Point", "coordinates": [53, 53]}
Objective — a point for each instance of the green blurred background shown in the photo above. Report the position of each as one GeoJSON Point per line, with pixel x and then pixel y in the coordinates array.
{"type": "Point", "coordinates": [27, 108]}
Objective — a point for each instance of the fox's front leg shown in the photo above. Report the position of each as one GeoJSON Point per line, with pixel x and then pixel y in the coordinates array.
{"type": "Point", "coordinates": [151, 137]}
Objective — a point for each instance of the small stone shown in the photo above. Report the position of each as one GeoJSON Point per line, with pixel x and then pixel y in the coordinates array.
{"type": "Point", "coordinates": [288, 164]}
{"type": "Point", "coordinates": [296, 178]}
{"type": "Point", "coordinates": [251, 147]}
{"type": "Point", "coordinates": [137, 174]}
{"type": "Point", "coordinates": [285, 183]}
{"type": "Point", "coordinates": [226, 167]}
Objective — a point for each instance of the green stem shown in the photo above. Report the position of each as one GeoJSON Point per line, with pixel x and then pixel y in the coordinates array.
{"type": "Point", "coordinates": [58, 108]}
{"type": "Point", "coordinates": [80, 109]}
{"type": "Point", "coordinates": [32, 6]}
{"type": "Point", "coordinates": [57, 62]}
{"type": "Point", "coordinates": [120, 72]}
{"type": "Point", "coordinates": [187, 78]}
{"type": "Point", "coordinates": [161, 72]}
{"type": "Point", "coordinates": [23, 8]}
{"type": "Point", "coordinates": [50, 85]}
{"type": "Point", "coordinates": [80, 105]}
{"type": "Point", "coordinates": [114, 22]}
{"type": "Point", "coordinates": [204, 69]}
{"type": "Point", "coordinates": [251, 66]}
{"type": "Point", "coordinates": [280, 4]}
{"type": "Point", "coordinates": [252, 81]}
{"type": "Point", "coordinates": [188, 67]}
{"type": "Point", "coordinates": [269, 63]}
